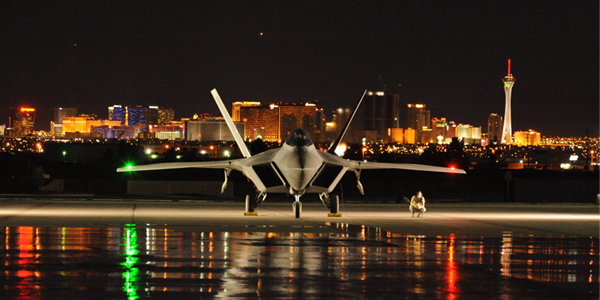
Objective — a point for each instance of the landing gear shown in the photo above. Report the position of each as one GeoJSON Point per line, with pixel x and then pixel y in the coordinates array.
{"type": "Point", "coordinates": [250, 207]}
{"type": "Point", "coordinates": [332, 202]}
{"type": "Point", "coordinates": [297, 206]}
{"type": "Point", "coordinates": [259, 199]}
{"type": "Point", "coordinates": [325, 199]}
{"type": "Point", "coordinates": [334, 209]}
{"type": "Point", "coordinates": [253, 204]}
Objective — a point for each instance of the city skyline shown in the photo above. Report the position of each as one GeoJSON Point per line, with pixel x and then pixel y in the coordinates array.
{"type": "Point", "coordinates": [164, 117]}
{"type": "Point", "coordinates": [92, 55]}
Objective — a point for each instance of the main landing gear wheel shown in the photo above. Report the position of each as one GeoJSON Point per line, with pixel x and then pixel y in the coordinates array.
{"type": "Point", "coordinates": [250, 207]}
{"type": "Point", "coordinates": [334, 208]}
{"type": "Point", "coordinates": [253, 204]}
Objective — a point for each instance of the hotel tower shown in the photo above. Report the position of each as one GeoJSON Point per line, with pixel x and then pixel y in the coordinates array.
{"type": "Point", "coordinates": [509, 81]}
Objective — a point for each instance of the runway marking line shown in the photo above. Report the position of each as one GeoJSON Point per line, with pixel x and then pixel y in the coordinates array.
{"type": "Point", "coordinates": [24, 211]}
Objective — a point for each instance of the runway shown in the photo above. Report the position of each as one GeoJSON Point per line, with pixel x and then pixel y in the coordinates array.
{"type": "Point", "coordinates": [204, 250]}
{"type": "Point", "coordinates": [487, 220]}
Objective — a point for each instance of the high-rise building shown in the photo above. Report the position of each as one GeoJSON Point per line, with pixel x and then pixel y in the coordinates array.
{"type": "Point", "coordinates": [509, 81]}
{"type": "Point", "coordinates": [235, 108]}
{"type": "Point", "coordinates": [418, 118]}
{"type": "Point", "coordinates": [21, 120]}
{"type": "Point", "coordinates": [450, 131]}
{"type": "Point", "coordinates": [409, 136]}
{"type": "Point", "coordinates": [382, 111]}
{"type": "Point", "coordinates": [61, 113]}
{"type": "Point", "coordinates": [211, 130]}
{"type": "Point", "coordinates": [166, 132]}
{"type": "Point", "coordinates": [527, 138]}
{"type": "Point", "coordinates": [468, 134]}
{"type": "Point", "coordinates": [307, 117]}
{"type": "Point", "coordinates": [165, 116]}
{"type": "Point", "coordinates": [276, 121]}
{"type": "Point", "coordinates": [134, 115]}
{"type": "Point", "coordinates": [117, 113]}
{"type": "Point", "coordinates": [261, 117]}
{"type": "Point", "coordinates": [116, 132]}
{"type": "Point", "coordinates": [494, 127]}
{"type": "Point", "coordinates": [338, 120]}
{"type": "Point", "coordinates": [84, 125]}
{"type": "Point", "coordinates": [439, 128]}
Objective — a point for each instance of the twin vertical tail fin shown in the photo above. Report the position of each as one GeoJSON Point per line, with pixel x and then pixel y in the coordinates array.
{"type": "Point", "coordinates": [236, 134]}
{"type": "Point", "coordinates": [335, 144]}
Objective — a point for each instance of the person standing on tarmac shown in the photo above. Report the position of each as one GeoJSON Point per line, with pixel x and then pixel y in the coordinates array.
{"type": "Point", "coordinates": [417, 204]}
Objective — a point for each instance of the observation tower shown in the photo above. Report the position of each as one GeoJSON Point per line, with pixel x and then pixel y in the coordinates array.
{"type": "Point", "coordinates": [509, 81]}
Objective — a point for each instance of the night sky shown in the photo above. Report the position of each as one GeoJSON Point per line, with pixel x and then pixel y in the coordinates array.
{"type": "Point", "coordinates": [450, 55]}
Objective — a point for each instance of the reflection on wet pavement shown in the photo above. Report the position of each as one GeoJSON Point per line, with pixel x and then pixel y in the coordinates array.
{"type": "Point", "coordinates": [142, 261]}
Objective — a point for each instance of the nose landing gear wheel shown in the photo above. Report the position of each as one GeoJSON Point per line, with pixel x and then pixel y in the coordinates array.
{"type": "Point", "coordinates": [297, 206]}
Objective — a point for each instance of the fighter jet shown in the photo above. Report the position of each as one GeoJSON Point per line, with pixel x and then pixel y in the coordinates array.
{"type": "Point", "coordinates": [297, 167]}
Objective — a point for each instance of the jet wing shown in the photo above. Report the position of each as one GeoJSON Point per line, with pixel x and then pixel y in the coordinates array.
{"type": "Point", "coordinates": [233, 164]}
{"type": "Point", "coordinates": [257, 168]}
{"type": "Point", "coordinates": [359, 165]}
{"type": "Point", "coordinates": [352, 165]}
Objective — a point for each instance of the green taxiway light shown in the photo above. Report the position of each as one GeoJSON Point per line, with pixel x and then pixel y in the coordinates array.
{"type": "Point", "coordinates": [129, 167]}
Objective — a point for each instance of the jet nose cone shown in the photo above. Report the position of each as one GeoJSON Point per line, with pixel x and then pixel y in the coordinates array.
{"type": "Point", "coordinates": [299, 138]}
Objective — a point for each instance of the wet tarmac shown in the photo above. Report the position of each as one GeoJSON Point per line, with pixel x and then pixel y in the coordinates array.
{"type": "Point", "coordinates": [282, 259]}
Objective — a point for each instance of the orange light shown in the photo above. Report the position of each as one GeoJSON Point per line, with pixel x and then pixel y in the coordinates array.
{"type": "Point", "coordinates": [26, 109]}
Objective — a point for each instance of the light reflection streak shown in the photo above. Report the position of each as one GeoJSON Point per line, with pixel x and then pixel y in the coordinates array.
{"type": "Point", "coordinates": [506, 252]}
{"type": "Point", "coordinates": [25, 244]}
{"type": "Point", "coordinates": [452, 291]}
{"type": "Point", "coordinates": [131, 273]}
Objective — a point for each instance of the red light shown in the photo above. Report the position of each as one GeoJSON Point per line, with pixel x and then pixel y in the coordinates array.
{"type": "Point", "coordinates": [452, 168]}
